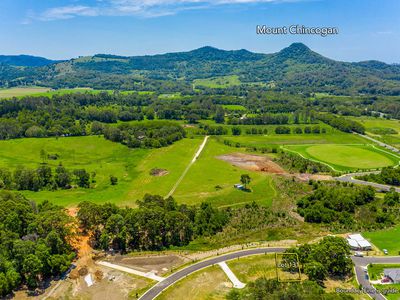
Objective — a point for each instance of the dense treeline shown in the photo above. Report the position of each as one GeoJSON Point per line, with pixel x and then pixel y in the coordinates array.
{"type": "Point", "coordinates": [328, 204]}
{"type": "Point", "coordinates": [344, 206]}
{"type": "Point", "coordinates": [341, 123]}
{"type": "Point", "coordinates": [154, 134]}
{"type": "Point", "coordinates": [34, 242]}
{"type": "Point", "coordinates": [156, 224]}
{"type": "Point", "coordinates": [294, 162]}
{"type": "Point", "coordinates": [388, 175]}
{"type": "Point", "coordinates": [44, 178]}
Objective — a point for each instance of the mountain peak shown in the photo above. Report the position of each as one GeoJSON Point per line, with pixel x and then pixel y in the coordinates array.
{"type": "Point", "coordinates": [301, 53]}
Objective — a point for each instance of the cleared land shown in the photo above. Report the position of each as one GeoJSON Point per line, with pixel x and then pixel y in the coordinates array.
{"type": "Point", "coordinates": [346, 157]}
{"type": "Point", "coordinates": [134, 169]}
{"type": "Point", "coordinates": [218, 82]}
{"type": "Point", "coordinates": [386, 239]}
{"type": "Point", "coordinates": [291, 139]}
{"type": "Point", "coordinates": [19, 92]}
{"type": "Point", "coordinates": [212, 179]}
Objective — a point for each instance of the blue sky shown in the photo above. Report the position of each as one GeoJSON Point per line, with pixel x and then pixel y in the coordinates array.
{"type": "Point", "coordinates": [58, 29]}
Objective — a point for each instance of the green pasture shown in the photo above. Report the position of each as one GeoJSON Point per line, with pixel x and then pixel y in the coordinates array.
{"type": "Point", "coordinates": [132, 168]}
{"type": "Point", "coordinates": [371, 122]}
{"type": "Point", "coordinates": [208, 172]}
{"type": "Point", "coordinates": [42, 91]}
{"type": "Point", "coordinates": [346, 157]}
{"type": "Point", "coordinates": [234, 107]}
{"type": "Point", "coordinates": [385, 239]}
{"type": "Point", "coordinates": [331, 137]}
{"type": "Point", "coordinates": [218, 82]}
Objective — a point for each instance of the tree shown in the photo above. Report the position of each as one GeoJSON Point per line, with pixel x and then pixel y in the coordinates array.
{"type": "Point", "coordinates": [236, 130]}
{"type": "Point", "coordinates": [82, 178]}
{"type": "Point", "coordinates": [31, 268]}
{"type": "Point", "coordinates": [315, 271]}
{"type": "Point", "coordinates": [150, 115]}
{"type": "Point", "coordinates": [113, 180]}
{"type": "Point", "coordinates": [219, 115]}
{"type": "Point", "coordinates": [245, 180]}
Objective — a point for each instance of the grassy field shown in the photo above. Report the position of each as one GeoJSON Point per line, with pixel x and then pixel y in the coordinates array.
{"type": "Point", "coordinates": [42, 91]}
{"type": "Point", "coordinates": [210, 283]}
{"type": "Point", "coordinates": [371, 122]}
{"type": "Point", "coordinates": [209, 171]}
{"type": "Point", "coordinates": [19, 91]}
{"type": "Point", "coordinates": [386, 239]}
{"type": "Point", "coordinates": [234, 107]}
{"type": "Point", "coordinates": [218, 82]}
{"type": "Point", "coordinates": [292, 139]}
{"type": "Point", "coordinates": [346, 157]}
{"type": "Point", "coordinates": [132, 168]}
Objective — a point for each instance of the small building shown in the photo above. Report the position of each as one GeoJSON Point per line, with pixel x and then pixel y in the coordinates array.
{"type": "Point", "coordinates": [392, 274]}
{"type": "Point", "coordinates": [239, 186]}
{"type": "Point", "coordinates": [358, 242]}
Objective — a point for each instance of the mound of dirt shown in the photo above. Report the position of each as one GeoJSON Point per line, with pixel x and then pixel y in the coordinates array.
{"type": "Point", "coordinates": [158, 172]}
{"type": "Point", "coordinates": [253, 162]}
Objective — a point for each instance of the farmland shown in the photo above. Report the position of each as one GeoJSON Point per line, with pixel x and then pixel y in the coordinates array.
{"type": "Point", "coordinates": [132, 167]}
{"type": "Point", "coordinates": [218, 82]}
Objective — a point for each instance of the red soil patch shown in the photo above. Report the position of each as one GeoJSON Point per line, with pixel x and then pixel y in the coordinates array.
{"type": "Point", "coordinates": [253, 162]}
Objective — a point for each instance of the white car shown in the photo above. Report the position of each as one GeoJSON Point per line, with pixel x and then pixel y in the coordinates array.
{"type": "Point", "coordinates": [385, 251]}
{"type": "Point", "coordinates": [359, 254]}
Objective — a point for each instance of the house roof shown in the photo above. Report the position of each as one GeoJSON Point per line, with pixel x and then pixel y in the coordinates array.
{"type": "Point", "coordinates": [352, 243]}
{"type": "Point", "coordinates": [356, 237]}
{"type": "Point", "coordinates": [394, 274]}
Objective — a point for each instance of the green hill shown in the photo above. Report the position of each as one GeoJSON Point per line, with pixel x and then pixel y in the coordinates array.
{"type": "Point", "coordinates": [295, 68]}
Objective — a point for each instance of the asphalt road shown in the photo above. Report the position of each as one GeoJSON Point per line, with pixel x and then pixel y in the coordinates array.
{"type": "Point", "coordinates": [378, 186]}
{"type": "Point", "coordinates": [172, 279]}
{"type": "Point", "coordinates": [362, 262]}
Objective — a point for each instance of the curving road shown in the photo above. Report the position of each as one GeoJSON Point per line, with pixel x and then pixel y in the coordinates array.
{"type": "Point", "coordinates": [350, 178]}
{"type": "Point", "coordinates": [153, 292]}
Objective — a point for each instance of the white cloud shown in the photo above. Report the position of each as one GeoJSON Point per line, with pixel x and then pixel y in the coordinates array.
{"type": "Point", "coordinates": [142, 8]}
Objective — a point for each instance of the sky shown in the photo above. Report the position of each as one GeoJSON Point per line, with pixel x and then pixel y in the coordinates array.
{"type": "Point", "coordinates": [63, 29]}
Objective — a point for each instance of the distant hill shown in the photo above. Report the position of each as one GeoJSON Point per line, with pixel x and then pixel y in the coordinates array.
{"type": "Point", "coordinates": [25, 60]}
{"type": "Point", "coordinates": [295, 68]}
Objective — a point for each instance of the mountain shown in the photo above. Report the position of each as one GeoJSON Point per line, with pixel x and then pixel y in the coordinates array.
{"type": "Point", "coordinates": [26, 60]}
{"type": "Point", "coordinates": [296, 68]}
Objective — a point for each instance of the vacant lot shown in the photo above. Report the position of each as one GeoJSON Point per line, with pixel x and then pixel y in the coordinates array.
{"type": "Point", "coordinates": [386, 239]}
{"type": "Point", "coordinates": [210, 283]}
{"type": "Point", "coordinates": [212, 179]}
{"type": "Point", "coordinates": [346, 157]}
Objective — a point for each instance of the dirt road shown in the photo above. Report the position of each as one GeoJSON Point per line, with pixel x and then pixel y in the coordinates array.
{"type": "Point", "coordinates": [196, 156]}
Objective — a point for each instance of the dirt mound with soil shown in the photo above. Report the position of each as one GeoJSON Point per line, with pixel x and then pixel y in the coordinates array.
{"type": "Point", "coordinates": [158, 172]}
{"type": "Point", "coordinates": [252, 162]}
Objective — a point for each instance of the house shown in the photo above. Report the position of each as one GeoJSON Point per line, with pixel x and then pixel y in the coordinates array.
{"type": "Point", "coordinates": [392, 274]}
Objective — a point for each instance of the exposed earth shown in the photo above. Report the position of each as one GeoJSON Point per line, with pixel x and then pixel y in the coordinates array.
{"type": "Point", "coordinates": [265, 164]}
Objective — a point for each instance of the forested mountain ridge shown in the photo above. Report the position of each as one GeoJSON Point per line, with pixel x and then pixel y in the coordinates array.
{"type": "Point", "coordinates": [295, 68]}
{"type": "Point", "coordinates": [26, 60]}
